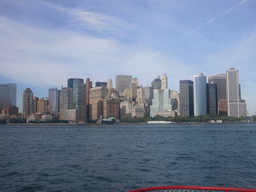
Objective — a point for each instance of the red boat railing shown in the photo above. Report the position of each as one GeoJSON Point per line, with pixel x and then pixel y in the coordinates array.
{"type": "Point", "coordinates": [192, 189]}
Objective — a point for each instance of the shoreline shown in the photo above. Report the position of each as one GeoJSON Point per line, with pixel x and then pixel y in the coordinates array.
{"type": "Point", "coordinates": [95, 124]}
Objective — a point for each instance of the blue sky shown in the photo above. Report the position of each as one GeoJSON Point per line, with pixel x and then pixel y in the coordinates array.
{"type": "Point", "coordinates": [45, 42]}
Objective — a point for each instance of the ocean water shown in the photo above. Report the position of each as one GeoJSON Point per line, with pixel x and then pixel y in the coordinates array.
{"type": "Point", "coordinates": [125, 157]}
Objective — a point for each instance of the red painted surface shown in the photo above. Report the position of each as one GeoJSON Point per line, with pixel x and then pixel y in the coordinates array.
{"type": "Point", "coordinates": [226, 189]}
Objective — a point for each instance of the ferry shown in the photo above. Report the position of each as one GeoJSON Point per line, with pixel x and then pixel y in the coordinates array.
{"type": "Point", "coordinates": [193, 189]}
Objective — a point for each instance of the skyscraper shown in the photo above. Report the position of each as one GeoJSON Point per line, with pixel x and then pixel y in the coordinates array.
{"type": "Point", "coordinates": [212, 101]}
{"type": "Point", "coordinates": [157, 83]}
{"type": "Point", "coordinates": [88, 85]}
{"type": "Point", "coordinates": [7, 95]}
{"type": "Point", "coordinates": [54, 101]}
{"type": "Point", "coordinates": [186, 98]}
{"type": "Point", "coordinates": [164, 82]}
{"type": "Point", "coordinates": [199, 94]}
{"type": "Point", "coordinates": [27, 103]}
{"type": "Point", "coordinates": [161, 102]}
{"type": "Point", "coordinates": [77, 85]}
{"type": "Point", "coordinates": [236, 106]}
{"type": "Point", "coordinates": [123, 82]}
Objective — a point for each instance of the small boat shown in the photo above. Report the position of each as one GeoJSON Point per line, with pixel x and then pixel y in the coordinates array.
{"type": "Point", "coordinates": [192, 189]}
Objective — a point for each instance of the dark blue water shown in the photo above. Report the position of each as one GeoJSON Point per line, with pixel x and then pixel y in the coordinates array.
{"type": "Point", "coordinates": [125, 157]}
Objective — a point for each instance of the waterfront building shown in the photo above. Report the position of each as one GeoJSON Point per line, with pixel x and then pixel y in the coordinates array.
{"type": "Point", "coordinates": [186, 98]}
{"type": "Point", "coordinates": [157, 83]}
{"type": "Point", "coordinates": [161, 101]}
{"type": "Point", "coordinates": [27, 103]}
{"type": "Point", "coordinates": [123, 82]}
{"type": "Point", "coordinates": [164, 84]}
{"type": "Point", "coordinates": [212, 101]}
{"type": "Point", "coordinates": [111, 108]}
{"type": "Point", "coordinates": [222, 107]}
{"type": "Point", "coordinates": [175, 101]}
{"type": "Point", "coordinates": [96, 95]}
{"type": "Point", "coordinates": [235, 105]}
{"type": "Point", "coordinates": [77, 85]}
{"type": "Point", "coordinates": [199, 94]}
{"type": "Point", "coordinates": [42, 105]}
{"type": "Point", "coordinates": [66, 98]}
{"type": "Point", "coordinates": [128, 109]}
{"type": "Point", "coordinates": [7, 95]}
{"type": "Point", "coordinates": [54, 101]}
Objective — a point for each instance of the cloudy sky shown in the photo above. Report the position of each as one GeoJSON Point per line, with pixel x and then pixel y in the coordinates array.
{"type": "Point", "coordinates": [45, 42]}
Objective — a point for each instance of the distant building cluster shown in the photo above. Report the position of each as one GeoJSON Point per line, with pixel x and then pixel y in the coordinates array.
{"type": "Point", "coordinates": [80, 101]}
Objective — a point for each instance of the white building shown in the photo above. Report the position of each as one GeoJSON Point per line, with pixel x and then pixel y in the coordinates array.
{"type": "Point", "coordinates": [161, 101]}
{"type": "Point", "coordinates": [236, 106]}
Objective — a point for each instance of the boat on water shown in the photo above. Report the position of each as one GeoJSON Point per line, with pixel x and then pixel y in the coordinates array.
{"type": "Point", "coordinates": [192, 189]}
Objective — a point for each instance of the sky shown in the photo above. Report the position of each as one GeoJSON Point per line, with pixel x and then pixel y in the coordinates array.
{"type": "Point", "coordinates": [45, 42]}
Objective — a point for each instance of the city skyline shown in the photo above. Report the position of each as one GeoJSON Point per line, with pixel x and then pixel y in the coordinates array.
{"type": "Point", "coordinates": [47, 42]}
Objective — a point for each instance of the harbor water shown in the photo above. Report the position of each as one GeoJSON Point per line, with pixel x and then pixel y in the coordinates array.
{"type": "Point", "coordinates": [124, 157]}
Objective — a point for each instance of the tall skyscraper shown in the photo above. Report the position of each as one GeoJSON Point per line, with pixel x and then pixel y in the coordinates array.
{"type": "Point", "coordinates": [212, 101]}
{"type": "Point", "coordinates": [186, 98]}
{"type": "Point", "coordinates": [164, 81]}
{"type": "Point", "coordinates": [54, 101]}
{"type": "Point", "coordinates": [157, 83]}
{"type": "Point", "coordinates": [7, 95]}
{"type": "Point", "coordinates": [220, 81]}
{"type": "Point", "coordinates": [236, 106]}
{"type": "Point", "coordinates": [27, 103]}
{"type": "Point", "coordinates": [123, 82]}
{"type": "Point", "coordinates": [199, 94]}
{"type": "Point", "coordinates": [133, 87]}
{"type": "Point", "coordinates": [77, 85]}
{"type": "Point", "coordinates": [88, 85]}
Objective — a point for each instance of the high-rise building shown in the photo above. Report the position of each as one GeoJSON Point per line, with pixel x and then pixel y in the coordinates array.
{"type": "Point", "coordinates": [164, 82]}
{"type": "Point", "coordinates": [161, 102]}
{"type": "Point", "coordinates": [7, 95]}
{"type": "Point", "coordinates": [27, 103]}
{"type": "Point", "coordinates": [133, 87]}
{"type": "Point", "coordinates": [212, 101]}
{"type": "Point", "coordinates": [97, 94]}
{"type": "Point", "coordinates": [123, 82]}
{"type": "Point", "coordinates": [157, 83]}
{"type": "Point", "coordinates": [54, 101]}
{"type": "Point", "coordinates": [186, 98]}
{"type": "Point", "coordinates": [88, 85]}
{"type": "Point", "coordinates": [66, 98]}
{"type": "Point", "coordinates": [220, 81]}
{"type": "Point", "coordinates": [199, 94]}
{"type": "Point", "coordinates": [77, 85]}
{"type": "Point", "coordinates": [236, 106]}
{"type": "Point", "coordinates": [42, 105]}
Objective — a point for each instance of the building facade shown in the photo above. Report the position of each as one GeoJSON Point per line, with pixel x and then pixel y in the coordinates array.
{"type": "Point", "coordinates": [54, 101]}
{"type": "Point", "coordinates": [27, 103]}
{"type": "Point", "coordinates": [123, 82]}
{"type": "Point", "coordinates": [161, 101]}
{"type": "Point", "coordinates": [212, 101]}
{"type": "Point", "coordinates": [157, 83]}
{"type": "Point", "coordinates": [235, 106]}
{"type": "Point", "coordinates": [164, 82]}
{"type": "Point", "coordinates": [186, 98]}
{"type": "Point", "coordinates": [199, 94]}
{"type": "Point", "coordinates": [7, 95]}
